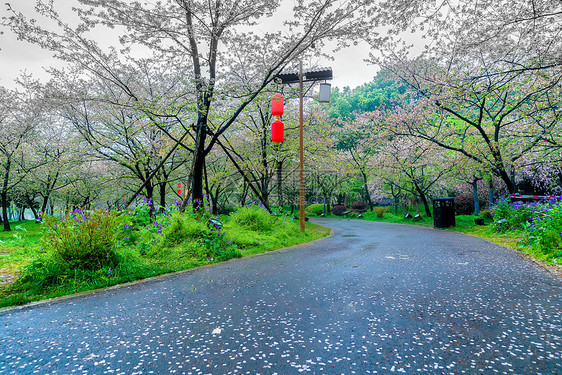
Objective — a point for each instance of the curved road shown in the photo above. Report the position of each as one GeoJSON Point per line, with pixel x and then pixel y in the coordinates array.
{"type": "Point", "coordinates": [373, 298]}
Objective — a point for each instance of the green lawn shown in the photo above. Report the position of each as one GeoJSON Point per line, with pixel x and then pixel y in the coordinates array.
{"type": "Point", "coordinates": [19, 246]}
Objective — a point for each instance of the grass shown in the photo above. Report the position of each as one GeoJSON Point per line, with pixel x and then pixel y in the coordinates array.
{"type": "Point", "coordinates": [19, 246]}
{"type": "Point", "coordinates": [21, 254]}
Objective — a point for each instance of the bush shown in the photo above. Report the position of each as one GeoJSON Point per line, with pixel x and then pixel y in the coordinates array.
{"type": "Point", "coordinates": [83, 239]}
{"type": "Point", "coordinates": [183, 228]}
{"type": "Point", "coordinates": [380, 211]}
{"type": "Point", "coordinates": [339, 210]}
{"type": "Point", "coordinates": [544, 231]}
{"type": "Point", "coordinates": [511, 216]}
{"type": "Point", "coordinates": [140, 214]}
{"type": "Point", "coordinates": [464, 205]}
{"type": "Point", "coordinates": [359, 206]}
{"type": "Point", "coordinates": [253, 218]}
{"type": "Point", "coordinates": [218, 247]}
{"type": "Point", "coordinates": [315, 209]}
{"type": "Point", "coordinates": [227, 210]}
{"type": "Point", "coordinates": [486, 214]}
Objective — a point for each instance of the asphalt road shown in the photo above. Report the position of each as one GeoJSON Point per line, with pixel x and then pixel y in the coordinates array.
{"type": "Point", "coordinates": [373, 298]}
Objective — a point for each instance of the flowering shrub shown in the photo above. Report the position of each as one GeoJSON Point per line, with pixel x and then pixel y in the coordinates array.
{"type": "Point", "coordinates": [544, 232]}
{"type": "Point", "coordinates": [339, 209]}
{"type": "Point", "coordinates": [218, 247]}
{"type": "Point", "coordinates": [83, 239]}
{"type": "Point", "coordinates": [141, 212]}
{"type": "Point", "coordinates": [359, 206]}
{"type": "Point", "coordinates": [511, 216]}
{"type": "Point", "coordinates": [540, 221]}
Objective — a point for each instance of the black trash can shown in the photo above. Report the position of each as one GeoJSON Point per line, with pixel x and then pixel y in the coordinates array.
{"type": "Point", "coordinates": [443, 212]}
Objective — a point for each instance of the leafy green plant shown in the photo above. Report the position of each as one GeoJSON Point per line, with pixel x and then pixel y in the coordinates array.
{"type": "Point", "coordinates": [227, 210]}
{"type": "Point", "coordinates": [544, 232]}
{"type": "Point", "coordinates": [183, 228]}
{"type": "Point", "coordinates": [486, 214]}
{"type": "Point", "coordinates": [253, 218]}
{"type": "Point", "coordinates": [140, 213]}
{"type": "Point", "coordinates": [510, 216]}
{"type": "Point", "coordinates": [83, 239]}
{"type": "Point", "coordinates": [316, 209]}
{"type": "Point", "coordinates": [380, 211]}
{"type": "Point", "coordinates": [218, 246]}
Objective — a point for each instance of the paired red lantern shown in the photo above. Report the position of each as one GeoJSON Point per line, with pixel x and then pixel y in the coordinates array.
{"type": "Point", "coordinates": [277, 131]}
{"type": "Point", "coordinates": [179, 188]}
{"type": "Point", "coordinates": [277, 128]}
{"type": "Point", "coordinates": [277, 105]}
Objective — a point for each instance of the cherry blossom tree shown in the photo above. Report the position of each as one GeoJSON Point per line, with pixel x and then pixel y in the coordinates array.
{"type": "Point", "coordinates": [21, 112]}
{"type": "Point", "coordinates": [492, 118]}
{"type": "Point", "coordinates": [357, 139]}
{"type": "Point", "coordinates": [490, 69]}
{"type": "Point", "coordinates": [206, 41]}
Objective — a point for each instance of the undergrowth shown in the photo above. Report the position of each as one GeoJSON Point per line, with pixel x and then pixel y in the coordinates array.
{"type": "Point", "coordinates": [89, 249]}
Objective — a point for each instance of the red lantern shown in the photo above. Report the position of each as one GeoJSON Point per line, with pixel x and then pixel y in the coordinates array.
{"type": "Point", "coordinates": [277, 105]}
{"type": "Point", "coordinates": [179, 188]}
{"type": "Point", "coordinates": [277, 131]}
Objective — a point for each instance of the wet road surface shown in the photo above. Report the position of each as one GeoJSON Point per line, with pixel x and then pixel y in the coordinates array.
{"type": "Point", "coordinates": [373, 298]}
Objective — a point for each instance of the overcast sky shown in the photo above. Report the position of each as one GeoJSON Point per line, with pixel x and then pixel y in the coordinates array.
{"type": "Point", "coordinates": [348, 67]}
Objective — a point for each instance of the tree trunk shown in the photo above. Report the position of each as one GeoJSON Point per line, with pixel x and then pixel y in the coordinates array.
{"type": "Point", "coordinates": [244, 194]}
{"type": "Point", "coordinates": [491, 194]}
{"type": "Point", "coordinates": [30, 204]}
{"type": "Point", "coordinates": [162, 189]}
{"type": "Point", "coordinates": [198, 166]}
{"type": "Point", "coordinates": [44, 204]}
{"type": "Point", "coordinates": [508, 182]}
{"type": "Point", "coordinates": [150, 195]}
{"type": "Point", "coordinates": [4, 195]}
{"type": "Point", "coordinates": [215, 200]}
{"type": "Point", "coordinates": [367, 194]}
{"type": "Point", "coordinates": [86, 202]}
{"type": "Point", "coordinates": [475, 196]}
{"type": "Point", "coordinates": [425, 204]}
{"type": "Point", "coordinates": [5, 218]}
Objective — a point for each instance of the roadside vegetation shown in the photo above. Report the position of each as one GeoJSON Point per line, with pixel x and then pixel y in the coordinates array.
{"type": "Point", "coordinates": [533, 228]}
{"type": "Point", "coordinates": [89, 249]}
